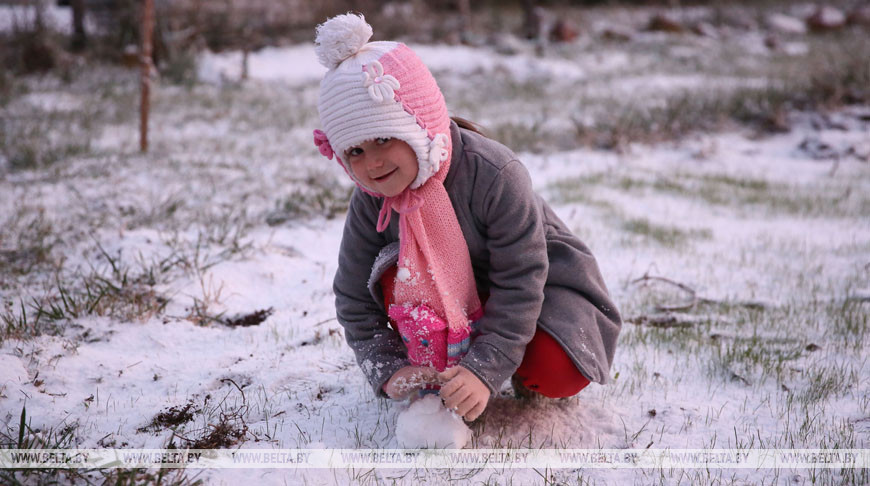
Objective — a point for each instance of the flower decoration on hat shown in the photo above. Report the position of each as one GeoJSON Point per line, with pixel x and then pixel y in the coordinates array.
{"type": "Point", "coordinates": [322, 144]}
{"type": "Point", "coordinates": [438, 152]}
{"type": "Point", "coordinates": [381, 86]}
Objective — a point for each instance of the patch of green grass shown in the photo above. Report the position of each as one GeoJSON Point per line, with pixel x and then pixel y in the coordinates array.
{"type": "Point", "coordinates": [97, 295]}
{"type": "Point", "coordinates": [679, 339]}
{"type": "Point", "coordinates": [37, 139]}
{"type": "Point", "coordinates": [26, 437]}
{"type": "Point", "coordinates": [141, 476]}
{"type": "Point", "coordinates": [160, 213]}
{"type": "Point", "coordinates": [244, 110]}
{"type": "Point", "coordinates": [824, 198]}
{"type": "Point", "coordinates": [196, 256]}
{"type": "Point", "coordinates": [669, 236]}
{"type": "Point", "coordinates": [658, 182]}
{"type": "Point", "coordinates": [226, 227]}
{"type": "Point", "coordinates": [682, 113]}
{"type": "Point", "coordinates": [835, 72]}
{"type": "Point", "coordinates": [26, 242]}
{"type": "Point", "coordinates": [180, 68]}
{"type": "Point", "coordinates": [754, 185]}
{"type": "Point", "coordinates": [519, 136]}
{"type": "Point", "coordinates": [110, 100]}
{"type": "Point", "coordinates": [117, 290]}
{"type": "Point", "coordinates": [849, 321]}
{"type": "Point", "coordinates": [751, 359]}
{"type": "Point", "coordinates": [580, 190]}
{"type": "Point", "coordinates": [826, 381]}
{"type": "Point", "coordinates": [22, 435]}
{"type": "Point", "coordinates": [28, 150]}
{"type": "Point", "coordinates": [747, 345]}
{"type": "Point", "coordinates": [26, 320]}
{"type": "Point", "coordinates": [10, 87]}
{"type": "Point", "coordinates": [684, 332]}
{"type": "Point", "coordinates": [319, 197]}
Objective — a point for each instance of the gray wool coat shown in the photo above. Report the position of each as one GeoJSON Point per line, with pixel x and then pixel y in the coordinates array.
{"type": "Point", "coordinates": [536, 272]}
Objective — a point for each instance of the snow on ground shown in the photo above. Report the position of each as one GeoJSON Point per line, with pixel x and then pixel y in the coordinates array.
{"type": "Point", "coordinates": [293, 65]}
{"type": "Point", "coordinates": [299, 65]}
{"type": "Point", "coordinates": [218, 221]}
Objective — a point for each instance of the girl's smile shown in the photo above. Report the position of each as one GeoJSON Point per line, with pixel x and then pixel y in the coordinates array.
{"type": "Point", "coordinates": [385, 165]}
{"type": "Point", "coordinates": [383, 177]}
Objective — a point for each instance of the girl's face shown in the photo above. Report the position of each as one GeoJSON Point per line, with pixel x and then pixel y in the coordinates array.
{"type": "Point", "coordinates": [384, 165]}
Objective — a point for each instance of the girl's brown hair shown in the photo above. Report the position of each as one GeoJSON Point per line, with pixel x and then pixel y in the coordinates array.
{"type": "Point", "coordinates": [469, 125]}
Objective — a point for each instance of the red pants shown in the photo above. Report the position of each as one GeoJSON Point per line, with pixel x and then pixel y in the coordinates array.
{"type": "Point", "coordinates": [546, 368]}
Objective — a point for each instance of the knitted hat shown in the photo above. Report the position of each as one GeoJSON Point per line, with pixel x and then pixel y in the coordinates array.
{"type": "Point", "coordinates": [382, 89]}
{"type": "Point", "coordinates": [378, 89]}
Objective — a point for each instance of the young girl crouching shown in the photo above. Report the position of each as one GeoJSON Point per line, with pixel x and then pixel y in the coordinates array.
{"type": "Point", "coordinates": [474, 280]}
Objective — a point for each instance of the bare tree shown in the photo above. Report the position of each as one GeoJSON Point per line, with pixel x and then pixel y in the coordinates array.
{"type": "Point", "coordinates": [38, 16]}
{"type": "Point", "coordinates": [531, 23]}
{"type": "Point", "coordinates": [80, 37]}
{"type": "Point", "coordinates": [145, 78]}
{"type": "Point", "coordinates": [464, 18]}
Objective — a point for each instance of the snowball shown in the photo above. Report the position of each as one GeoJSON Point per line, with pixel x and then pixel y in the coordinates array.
{"type": "Point", "coordinates": [426, 423]}
{"type": "Point", "coordinates": [403, 274]}
{"type": "Point", "coordinates": [340, 38]}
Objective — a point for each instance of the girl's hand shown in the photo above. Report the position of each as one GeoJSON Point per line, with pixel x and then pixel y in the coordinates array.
{"type": "Point", "coordinates": [408, 380]}
{"type": "Point", "coordinates": [463, 392]}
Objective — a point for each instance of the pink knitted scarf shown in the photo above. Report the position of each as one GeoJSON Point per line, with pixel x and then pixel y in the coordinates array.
{"type": "Point", "coordinates": [434, 262]}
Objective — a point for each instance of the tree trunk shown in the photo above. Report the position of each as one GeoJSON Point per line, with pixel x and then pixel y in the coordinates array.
{"type": "Point", "coordinates": [80, 37]}
{"type": "Point", "coordinates": [464, 19]}
{"type": "Point", "coordinates": [530, 20]}
{"type": "Point", "coordinates": [145, 78]}
{"type": "Point", "coordinates": [247, 42]}
{"type": "Point", "coordinates": [245, 52]}
{"type": "Point", "coordinates": [38, 16]}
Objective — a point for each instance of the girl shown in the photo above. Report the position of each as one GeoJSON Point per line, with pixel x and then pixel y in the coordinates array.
{"type": "Point", "coordinates": [474, 280]}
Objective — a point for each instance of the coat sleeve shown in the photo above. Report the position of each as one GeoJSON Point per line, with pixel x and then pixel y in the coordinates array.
{"type": "Point", "coordinates": [517, 271]}
{"type": "Point", "coordinates": [379, 349]}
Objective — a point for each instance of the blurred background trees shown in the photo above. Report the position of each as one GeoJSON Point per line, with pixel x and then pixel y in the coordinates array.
{"type": "Point", "coordinates": [109, 29]}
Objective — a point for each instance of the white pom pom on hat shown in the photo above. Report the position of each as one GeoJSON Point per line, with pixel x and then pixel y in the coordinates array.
{"type": "Point", "coordinates": [340, 38]}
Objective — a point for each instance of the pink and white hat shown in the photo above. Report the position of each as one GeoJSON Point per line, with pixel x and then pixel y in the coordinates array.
{"type": "Point", "coordinates": [378, 89]}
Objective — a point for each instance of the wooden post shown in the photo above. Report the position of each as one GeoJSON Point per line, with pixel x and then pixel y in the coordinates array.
{"type": "Point", "coordinates": [145, 78]}
{"type": "Point", "coordinates": [80, 36]}
{"type": "Point", "coordinates": [247, 35]}
{"type": "Point", "coordinates": [464, 20]}
{"type": "Point", "coordinates": [530, 21]}
{"type": "Point", "coordinates": [245, 52]}
{"type": "Point", "coordinates": [38, 16]}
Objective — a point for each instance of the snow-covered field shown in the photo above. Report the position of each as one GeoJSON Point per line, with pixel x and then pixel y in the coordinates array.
{"type": "Point", "coordinates": [126, 279]}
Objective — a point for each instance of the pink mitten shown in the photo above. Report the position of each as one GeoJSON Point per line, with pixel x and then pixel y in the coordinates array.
{"type": "Point", "coordinates": [424, 334]}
